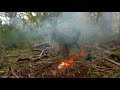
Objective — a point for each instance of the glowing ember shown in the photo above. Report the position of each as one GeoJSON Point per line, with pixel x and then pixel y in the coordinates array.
{"type": "Point", "coordinates": [63, 64]}
{"type": "Point", "coordinates": [67, 62]}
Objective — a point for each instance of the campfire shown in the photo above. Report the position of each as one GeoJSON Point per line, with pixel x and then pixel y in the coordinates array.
{"type": "Point", "coordinates": [67, 62]}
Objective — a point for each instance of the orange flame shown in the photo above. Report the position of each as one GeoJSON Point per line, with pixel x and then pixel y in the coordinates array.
{"type": "Point", "coordinates": [66, 63]}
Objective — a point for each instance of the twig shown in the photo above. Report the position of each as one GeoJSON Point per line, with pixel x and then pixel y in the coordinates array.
{"type": "Point", "coordinates": [10, 56]}
{"type": "Point", "coordinates": [39, 56]}
{"type": "Point", "coordinates": [97, 68]}
{"type": "Point", "coordinates": [112, 61]}
{"type": "Point", "coordinates": [31, 57]}
{"type": "Point", "coordinates": [42, 52]}
{"type": "Point", "coordinates": [13, 73]}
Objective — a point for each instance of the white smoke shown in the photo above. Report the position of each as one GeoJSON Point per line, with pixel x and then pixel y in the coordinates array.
{"type": "Point", "coordinates": [69, 24]}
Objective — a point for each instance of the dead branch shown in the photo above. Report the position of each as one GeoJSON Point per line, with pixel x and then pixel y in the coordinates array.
{"type": "Point", "coordinates": [39, 57]}
{"type": "Point", "coordinates": [13, 73]}
{"type": "Point", "coordinates": [95, 67]}
{"type": "Point", "coordinates": [42, 52]}
{"type": "Point", "coordinates": [10, 56]}
{"type": "Point", "coordinates": [112, 61]}
{"type": "Point", "coordinates": [90, 65]}
{"type": "Point", "coordinates": [31, 58]}
{"type": "Point", "coordinates": [86, 64]}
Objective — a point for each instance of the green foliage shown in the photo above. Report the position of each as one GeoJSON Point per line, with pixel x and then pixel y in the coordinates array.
{"type": "Point", "coordinates": [3, 70]}
{"type": "Point", "coordinates": [16, 35]}
{"type": "Point", "coordinates": [13, 38]}
{"type": "Point", "coordinates": [8, 36]}
{"type": "Point", "coordinates": [91, 72]}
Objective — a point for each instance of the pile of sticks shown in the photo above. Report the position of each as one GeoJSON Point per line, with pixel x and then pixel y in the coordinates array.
{"type": "Point", "coordinates": [34, 58]}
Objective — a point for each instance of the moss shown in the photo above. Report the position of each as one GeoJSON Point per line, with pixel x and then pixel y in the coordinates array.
{"type": "Point", "coordinates": [116, 53]}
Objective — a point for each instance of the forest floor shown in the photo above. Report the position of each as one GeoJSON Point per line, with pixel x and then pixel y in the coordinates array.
{"type": "Point", "coordinates": [47, 66]}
